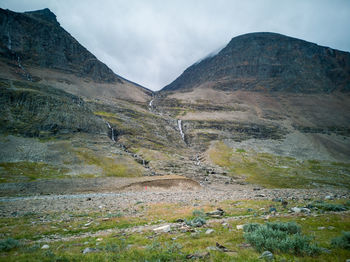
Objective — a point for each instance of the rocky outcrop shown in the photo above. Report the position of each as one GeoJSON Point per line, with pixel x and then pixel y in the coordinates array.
{"type": "Point", "coordinates": [33, 110]}
{"type": "Point", "coordinates": [269, 62]}
{"type": "Point", "coordinates": [37, 39]}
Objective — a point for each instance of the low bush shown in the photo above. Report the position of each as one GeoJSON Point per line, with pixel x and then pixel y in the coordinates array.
{"type": "Point", "coordinates": [279, 237]}
{"type": "Point", "coordinates": [323, 206]}
{"type": "Point", "coordinates": [198, 220]}
{"type": "Point", "coordinates": [342, 241]}
{"type": "Point", "coordinates": [8, 244]}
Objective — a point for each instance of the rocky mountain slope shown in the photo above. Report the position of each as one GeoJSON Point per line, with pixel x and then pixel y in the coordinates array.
{"type": "Point", "coordinates": [271, 62]}
{"type": "Point", "coordinates": [33, 46]}
{"type": "Point", "coordinates": [64, 114]}
{"type": "Point", "coordinates": [268, 93]}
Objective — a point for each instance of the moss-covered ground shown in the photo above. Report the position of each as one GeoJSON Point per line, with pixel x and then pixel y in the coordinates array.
{"type": "Point", "coordinates": [110, 233]}
{"type": "Point", "coordinates": [274, 171]}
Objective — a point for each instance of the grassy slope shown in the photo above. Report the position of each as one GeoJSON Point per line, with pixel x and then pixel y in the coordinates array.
{"type": "Point", "coordinates": [279, 172]}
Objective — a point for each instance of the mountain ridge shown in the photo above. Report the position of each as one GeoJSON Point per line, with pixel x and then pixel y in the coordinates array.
{"type": "Point", "coordinates": [263, 61]}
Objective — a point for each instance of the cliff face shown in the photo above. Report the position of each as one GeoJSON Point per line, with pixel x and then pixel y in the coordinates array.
{"type": "Point", "coordinates": [37, 39]}
{"type": "Point", "coordinates": [269, 61]}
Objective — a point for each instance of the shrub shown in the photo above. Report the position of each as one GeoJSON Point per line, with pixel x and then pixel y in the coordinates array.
{"type": "Point", "coordinates": [251, 227]}
{"type": "Point", "coordinates": [342, 241]}
{"type": "Point", "coordinates": [327, 206]}
{"type": "Point", "coordinates": [196, 222]}
{"type": "Point", "coordinates": [199, 219]}
{"type": "Point", "coordinates": [289, 227]}
{"type": "Point", "coordinates": [8, 244]}
{"type": "Point", "coordinates": [282, 237]}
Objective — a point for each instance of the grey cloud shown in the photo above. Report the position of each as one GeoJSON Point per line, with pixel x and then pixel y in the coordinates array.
{"type": "Point", "coordinates": [152, 42]}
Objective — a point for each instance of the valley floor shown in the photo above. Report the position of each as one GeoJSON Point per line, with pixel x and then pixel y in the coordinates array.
{"type": "Point", "coordinates": [121, 223]}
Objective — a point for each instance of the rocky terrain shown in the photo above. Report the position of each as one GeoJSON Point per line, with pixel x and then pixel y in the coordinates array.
{"type": "Point", "coordinates": [94, 167]}
{"type": "Point", "coordinates": [269, 62]}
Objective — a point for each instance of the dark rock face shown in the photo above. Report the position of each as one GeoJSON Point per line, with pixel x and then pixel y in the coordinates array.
{"type": "Point", "coordinates": [269, 61]}
{"type": "Point", "coordinates": [34, 110]}
{"type": "Point", "coordinates": [36, 38]}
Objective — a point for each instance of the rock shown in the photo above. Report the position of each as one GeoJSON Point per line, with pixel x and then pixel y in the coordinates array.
{"type": "Point", "coordinates": [221, 247]}
{"type": "Point", "coordinates": [256, 188]}
{"type": "Point", "coordinates": [267, 255]}
{"type": "Point", "coordinates": [180, 220]}
{"type": "Point", "coordinates": [329, 197]}
{"type": "Point", "coordinates": [240, 227]}
{"type": "Point", "coordinates": [198, 255]}
{"type": "Point", "coordinates": [164, 229]}
{"type": "Point", "coordinates": [296, 210]}
{"type": "Point", "coordinates": [226, 225]}
{"type": "Point", "coordinates": [260, 195]}
{"type": "Point", "coordinates": [321, 228]}
{"type": "Point", "coordinates": [305, 210]}
{"type": "Point", "coordinates": [90, 250]}
{"type": "Point", "coordinates": [45, 247]}
{"type": "Point", "coordinates": [217, 213]}
{"type": "Point", "coordinates": [209, 231]}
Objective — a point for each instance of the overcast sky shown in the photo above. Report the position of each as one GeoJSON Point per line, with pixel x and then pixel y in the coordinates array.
{"type": "Point", "coordinates": [152, 42]}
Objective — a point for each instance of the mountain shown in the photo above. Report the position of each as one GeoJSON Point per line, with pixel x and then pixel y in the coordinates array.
{"type": "Point", "coordinates": [34, 46]}
{"type": "Point", "coordinates": [269, 62]}
{"type": "Point", "coordinates": [65, 114]}
{"type": "Point", "coordinates": [268, 93]}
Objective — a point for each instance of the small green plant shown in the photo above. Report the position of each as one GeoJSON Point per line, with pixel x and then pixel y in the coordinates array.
{"type": "Point", "coordinates": [240, 150]}
{"type": "Point", "coordinates": [280, 237]}
{"type": "Point", "coordinates": [198, 220]}
{"type": "Point", "coordinates": [8, 244]}
{"type": "Point", "coordinates": [117, 214]}
{"type": "Point", "coordinates": [342, 241]}
{"type": "Point", "coordinates": [323, 206]}
{"type": "Point", "coordinates": [289, 227]}
{"type": "Point", "coordinates": [198, 213]}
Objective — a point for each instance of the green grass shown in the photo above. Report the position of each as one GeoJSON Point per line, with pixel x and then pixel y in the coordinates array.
{"type": "Point", "coordinates": [174, 246]}
{"type": "Point", "coordinates": [29, 171]}
{"type": "Point", "coordinates": [124, 167]}
{"type": "Point", "coordinates": [274, 171]}
{"type": "Point", "coordinates": [342, 241]}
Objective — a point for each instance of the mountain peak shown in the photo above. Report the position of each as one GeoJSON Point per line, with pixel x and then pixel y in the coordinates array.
{"type": "Point", "coordinates": [44, 14]}
{"type": "Point", "coordinates": [267, 61]}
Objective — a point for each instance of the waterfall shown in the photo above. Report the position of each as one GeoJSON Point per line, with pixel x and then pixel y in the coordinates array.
{"type": "Point", "coordinates": [29, 77]}
{"type": "Point", "coordinates": [109, 126]}
{"type": "Point", "coordinates": [198, 162]}
{"type": "Point", "coordinates": [9, 45]}
{"type": "Point", "coordinates": [150, 104]}
{"type": "Point", "coordinates": [180, 128]}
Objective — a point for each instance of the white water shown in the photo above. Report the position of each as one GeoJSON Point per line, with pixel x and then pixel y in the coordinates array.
{"type": "Point", "coordinates": [180, 128]}
{"type": "Point", "coordinates": [151, 102]}
{"type": "Point", "coordinates": [109, 126]}
{"type": "Point", "coordinates": [198, 162]}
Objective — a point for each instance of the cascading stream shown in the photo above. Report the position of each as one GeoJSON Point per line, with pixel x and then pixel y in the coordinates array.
{"type": "Point", "coordinates": [179, 124]}
{"type": "Point", "coordinates": [109, 126]}
{"type": "Point", "coordinates": [150, 104]}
